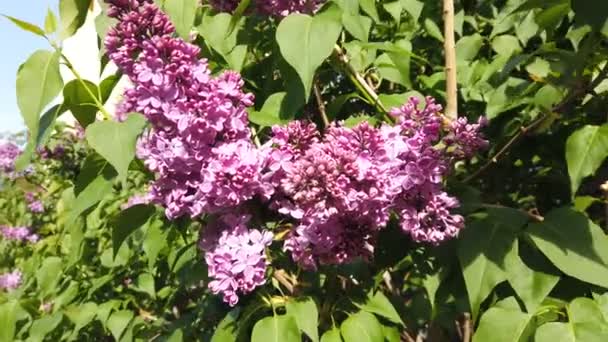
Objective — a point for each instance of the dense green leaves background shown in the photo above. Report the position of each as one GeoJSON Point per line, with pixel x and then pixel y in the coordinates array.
{"type": "Point", "coordinates": [531, 265]}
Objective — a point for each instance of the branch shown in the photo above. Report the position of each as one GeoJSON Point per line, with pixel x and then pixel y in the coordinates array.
{"type": "Point", "coordinates": [360, 82]}
{"type": "Point", "coordinates": [449, 46]}
{"type": "Point", "coordinates": [281, 277]}
{"type": "Point", "coordinates": [466, 327]}
{"type": "Point", "coordinates": [320, 104]}
{"type": "Point", "coordinates": [524, 130]}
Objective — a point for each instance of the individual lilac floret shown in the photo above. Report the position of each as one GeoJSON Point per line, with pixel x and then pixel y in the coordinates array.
{"type": "Point", "coordinates": [235, 256]}
{"type": "Point", "coordinates": [19, 234]}
{"type": "Point", "coordinates": [464, 139]}
{"type": "Point", "coordinates": [8, 153]}
{"type": "Point", "coordinates": [135, 200]}
{"type": "Point", "coordinates": [11, 281]}
{"type": "Point", "coordinates": [432, 220]}
{"type": "Point", "coordinates": [338, 240]}
{"type": "Point", "coordinates": [34, 205]}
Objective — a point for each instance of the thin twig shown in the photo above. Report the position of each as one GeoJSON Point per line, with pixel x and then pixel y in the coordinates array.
{"type": "Point", "coordinates": [466, 327]}
{"type": "Point", "coordinates": [368, 92]}
{"type": "Point", "coordinates": [256, 139]}
{"type": "Point", "coordinates": [524, 130]}
{"type": "Point", "coordinates": [449, 46]}
{"type": "Point", "coordinates": [99, 105]}
{"type": "Point", "coordinates": [407, 337]}
{"type": "Point", "coordinates": [280, 276]}
{"type": "Point", "coordinates": [533, 214]}
{"type": "Point", "coordinates": [320, 104]}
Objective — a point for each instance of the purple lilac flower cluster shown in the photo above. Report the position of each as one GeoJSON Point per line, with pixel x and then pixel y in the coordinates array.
{"type": "Point", "coordinates": [343, 188]}
{"type": "Point", "coordinates": [19, 234]}
{"type": "Point", "coordinates": [199, 145]}
{"type": "Point", "coordinates": [8, 153]}
{"type": "Point", "coordinates": [340, 188]}
{"type": "Point", "coordinates": [235, 256]}
{"type": "Point", "coordinates": [275, 8]}
{"type": "Point", "coordinates": [34, 205]}
{"type": "Point", "coordinates": [11, 281]}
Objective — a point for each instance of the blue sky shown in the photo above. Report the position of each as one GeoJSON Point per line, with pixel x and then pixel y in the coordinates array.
{"type": "Point", "coordinates": [17, 45]}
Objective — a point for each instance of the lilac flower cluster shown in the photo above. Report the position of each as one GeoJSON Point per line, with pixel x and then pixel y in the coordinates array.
{"type": "Point", "coordinates": [8, 153]}
{"type": "Point", "coordinates": [275, 8]}
{"type": "Point", "coordinates": [199, 145]}
{"type": "Point", "coordinates": [11, 281]}
{"type": "Point", "coordinates": [235, 256]}
{"type": "Point", "coordinates": [19, 234]}
{"type": "Point", "coordinates": [343, 188]}
{"type": "Point", "coordinates": [340, 189]}
{"type": "Point", "coordinates": [34, 205]}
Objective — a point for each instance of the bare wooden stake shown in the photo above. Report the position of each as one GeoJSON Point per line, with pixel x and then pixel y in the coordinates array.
{"type": "Point", "coordinates": [449, 46]}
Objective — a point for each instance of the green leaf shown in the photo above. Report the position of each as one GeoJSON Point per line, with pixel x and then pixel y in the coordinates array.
{"type": "Point", "coordinates": [357, 25]}
{"type": "Point", "coordinates": [332, 335]}
{"type": "Point", "coordinates": [586, 150]}
{"type": "Point", "coordinates": [81, 101]}
{"type": "Point", "coordinates": [530, 285]}
{"type": "Point", "coordinates": [8, 321]}
{"type": "Point", "coordinates": [118, 322]}
{"type": "Point", "coordinates": [50, 22]}
{"type": "Point", "coordinates": [24, 25]}
{"type": "Point", "coordinates": [182, 14]}
{"type": "Point", "coordinates": [305, 42]}
{"type": "Point", "coordinates": [503, 325]}
{"type": "Point", "coordinates": [586, 323]}
{"type": "Point", "coordinates": [213, 29]}
{"type": "Point", "coordinates": [391, 334]}
{"type": "Point", "coordinates": [582, 310]}
{"type": "Point", "coordinates": [81, 315]}
{"type": "Point", "coordinates": [277, 328]}
{"type": "Point", "coordinates": [275, 111]}
{"type": "Point", "coordinates": [413, 7]}
{"type": "Point", "coordinates": [128, 221]}
{"type": "Point", "coordinates": [48, 275]}
{"type": "Point", "coordinates": [93, 183]}
{"type": "Point", "coordinates": [432, 29]}
{"type": "Point", "coordinates": [482, 250]}
{"type": "Point", "coordinates": [45, 129]}
{"type": "Point", "coordinates": [467, 47]}
{"type": "Point", "coordinates": [73, 14]}
{"type": "Point", "coordinates": [146, 283]}
{"type": "Point", "coordinates": [177, 336]}
{"type": "Point", "coordinates": [574, 244]}
{"type": "Point", "coordinates": [362, 327]}
{"type": "Point", "coordinates": [304, 310]}
{"type": "Point", "coordinates": [506, 45]}
{"type": "Point", "coordinates": [155, 240]}
{"type": "Point", "coordinates": [549, 18]}
{"type": "Point", "coordinates": [394, 9]}
{"type": "Point", "coordinates": [107, 86]}
{"type": "Point", "coordinates": [38, 83]}
{"type": "Point", "coordinates": [44, 325]}
{"type": "Point", "coordinates": [227, 330]}
{"type": "Point", "coordinates": [380, 305]}
{"type": "Point", "coordinates": [115, 141]}
{"type": "Point", "coordinates": [369, 7]}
